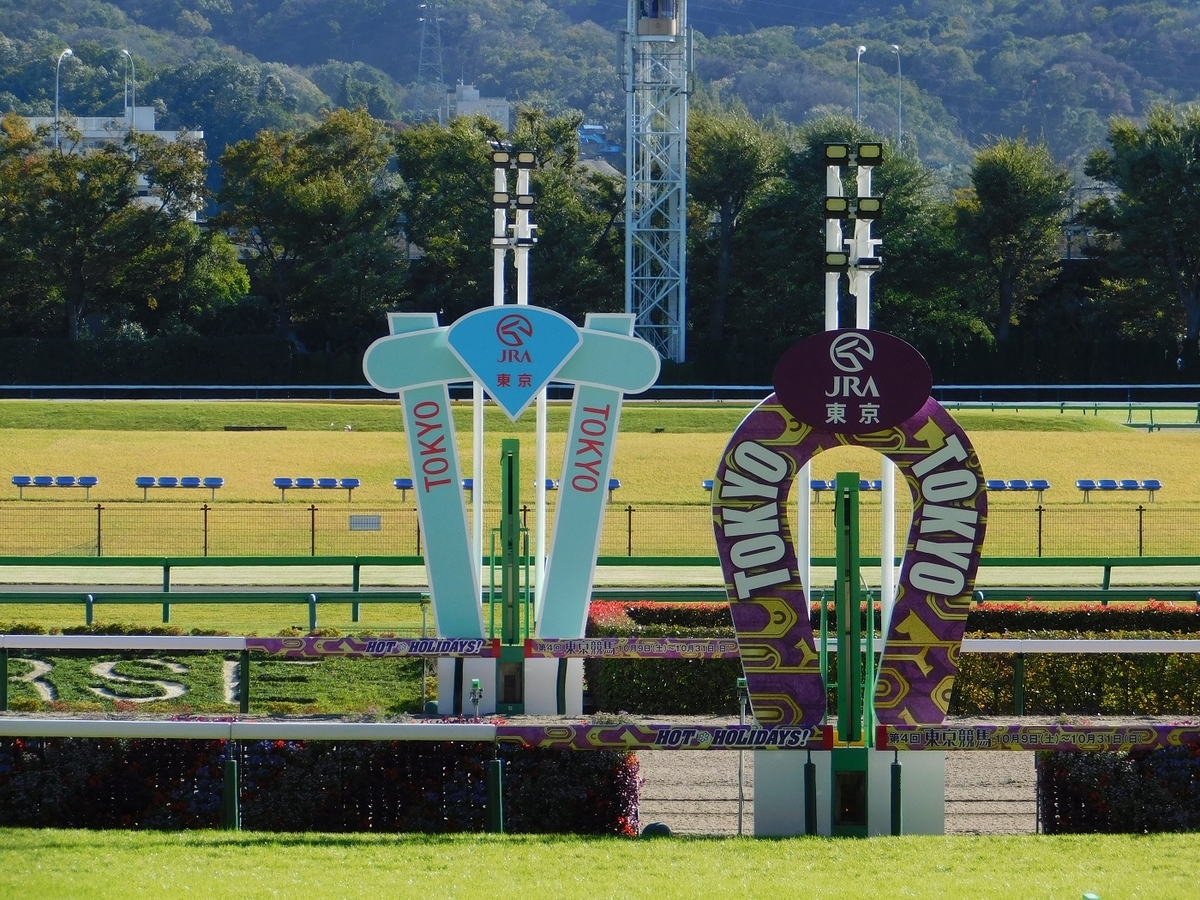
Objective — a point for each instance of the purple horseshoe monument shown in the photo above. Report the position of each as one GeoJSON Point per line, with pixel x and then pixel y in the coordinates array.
{"type": "Point", "coordinates": [868, 389]}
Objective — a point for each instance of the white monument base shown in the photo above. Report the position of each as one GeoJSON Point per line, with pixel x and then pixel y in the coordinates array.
{"type": "Point", "coordinates": [779, 792]}
{"type": "Point", "coordinates": [540, 683]}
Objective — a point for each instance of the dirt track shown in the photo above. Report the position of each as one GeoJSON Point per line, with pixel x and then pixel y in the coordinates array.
{"type": "Point", "coordinates": [697, 793]}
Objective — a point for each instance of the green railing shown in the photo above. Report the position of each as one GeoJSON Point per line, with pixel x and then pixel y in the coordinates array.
{"type": "Point", "coordinates": [1106, 527]}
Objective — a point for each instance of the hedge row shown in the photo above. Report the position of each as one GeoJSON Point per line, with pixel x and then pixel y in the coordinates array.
{"type": "Point", "coordinates": [1119, 792]}
{"type": "Point", "coordinates": [312, 786]}
{"type": "Point", "coordinates": [1086, 684]}
{"type": "Point", "coordinates": [1153, 615]}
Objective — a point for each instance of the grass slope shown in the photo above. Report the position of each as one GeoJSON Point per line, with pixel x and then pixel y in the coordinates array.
{"type": "Point", "coordinates": [73, 864]}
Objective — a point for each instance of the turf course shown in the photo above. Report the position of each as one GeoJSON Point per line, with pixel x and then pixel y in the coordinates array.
{"type": "Point", "coordinates": [663, 452]}
{"type": "Point", "coordinates": [122, 864]}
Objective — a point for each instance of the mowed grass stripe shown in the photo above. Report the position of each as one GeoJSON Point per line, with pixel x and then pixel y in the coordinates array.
{"type": "Point", "coordinates": [127, 864]}
{"type": "Point", "coordinates": [653, 468]}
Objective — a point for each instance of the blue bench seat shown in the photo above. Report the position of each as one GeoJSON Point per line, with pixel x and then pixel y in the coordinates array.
{"type": "Point", "coordinates": [87, 482]}
{"type": "Point", "coordinates": [1149, 485]}
{"type": "Point", "coordinates": [211, 483]}
{"type": "Point", "coordinates": [346, 484]}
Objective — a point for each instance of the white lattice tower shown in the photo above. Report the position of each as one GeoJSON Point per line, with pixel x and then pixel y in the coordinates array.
{"type": "Point", "coordinates": [657, 64]}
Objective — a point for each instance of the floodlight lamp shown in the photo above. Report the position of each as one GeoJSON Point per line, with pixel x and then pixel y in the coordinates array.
{"type": "Point", "coordinates": [870, 154]}
{"type": "Point", "coordinates": [837, 207]}
{"type": "Point", "coordinates": [526, 159]}
{"type": "Point", "coordinates": [837, 154]}
{"type": "Point", "coordinates": [501, 157]}
{"type": "Point", "coordinates": [868, 262]}
{"type": "Point", "coordinates": [837, 261]}
{"type": "Point", "coordinates": [870, 207]}
{"type": "Point", "coordinates": [525, 201]}
{"type": "Point", "coordinates": [499, 243]}
{"type": "Point", "coordinates": [499, 200]}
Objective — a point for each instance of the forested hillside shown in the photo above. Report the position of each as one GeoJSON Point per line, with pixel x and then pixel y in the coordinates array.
{"type": "Point", "coordinates": [1039, 220]}
{"type": "Point", "coordinates": [1057, 69]}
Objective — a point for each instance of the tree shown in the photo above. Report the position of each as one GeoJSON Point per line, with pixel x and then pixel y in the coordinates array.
{"type": "Point", "coordinates": [79, 235]}
{"type": "Point", "coordinates": [321, 213]}
{"type": "Point", "coordinates": [730, 159]}
{"type": "Point", "coordinates": [1011, 218]}
{"type": "Point", "coordinates": [1152, 222]}
{"type": "Point", "coordinates": [448, 173]}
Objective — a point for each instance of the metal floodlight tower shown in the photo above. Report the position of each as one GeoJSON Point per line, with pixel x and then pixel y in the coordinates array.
{"type": "Point", "coordinates": [657, 63]}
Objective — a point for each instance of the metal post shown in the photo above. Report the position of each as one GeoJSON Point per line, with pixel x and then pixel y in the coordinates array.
{"type": "Point", "coordinates": [810, 796]}
{"type": "Point", "coordinates": [354, 587]}
{"type": "Point", "coordinates": [897, 807]}
{"type": "Point", "coordinates": [3, 680]}
{"type": "Point", "coordinates": [244, 682]}
{"type": "Point", "coordinates": [99, 509]}
{"type": "Point", "coordinates": [1040, 510]}
{"type": "Point", "coordinates": [849, 612]}
{"type": "Point", "coordinates": [1141, 511]}
{"type": "Point", "coordinates": [743, 694]}
{"type": "Point", "coordinates": [231, 816]}
{"type": "Point", "coordinates": [629, 530]}
{"type": "Point", "coordinates": [560, 688]}
{"type": "Point", "coordinates": [166, 586]}
{"type": "Point", "coordinates": [1019, 684]}
{"type": "Point", "coordinates": [89, 603]}
{"type": "Point", "coordinates": [206, 508]}
{"type": "Point", "coordinates": [312, 612]}
{"type": "Point", "coordinates": [510, 535]}
{"type": "Point", "coordinates": [312, 529]}
{"type": "Point", "coordinates": [495, 796]}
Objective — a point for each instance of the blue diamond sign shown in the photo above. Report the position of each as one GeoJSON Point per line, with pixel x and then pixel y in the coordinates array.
{"type": "Point", "coordinates": [513, 351]}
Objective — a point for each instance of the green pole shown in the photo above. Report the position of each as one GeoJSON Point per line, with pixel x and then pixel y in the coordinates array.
{"type": "Point", "coordinates": [510, 535]}
{"type": "Point", "coordinates": [231, 814]}
{"type": "Point", "coordinates": [244, 682]}
{"type": "Point", "coordinates": [849, 613]}
{"type": "Point", "coordinates": [1019, 684]}
{"type": "Point", "coordinates": [495, 796]}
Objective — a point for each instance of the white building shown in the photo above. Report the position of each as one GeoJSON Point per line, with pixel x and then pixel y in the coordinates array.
{"type": "Point", "coordinates": [98, 131]}
{"type": "Point", "coordinates": [465, 101]}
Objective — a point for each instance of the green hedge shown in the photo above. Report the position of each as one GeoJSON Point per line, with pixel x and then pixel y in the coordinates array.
{"type": "Point", "coordinates": [1083, 683]}
{"type": "Point", "coordinates": [1086, 684]}
{"type": "Point", "coordinates": [312, 786]}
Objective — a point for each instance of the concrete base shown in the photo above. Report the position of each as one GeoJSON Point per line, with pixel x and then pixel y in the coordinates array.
{"type": "Point", "coordinates": [779, 792]}
{"type": "Point", "coordinates": [541, 687]}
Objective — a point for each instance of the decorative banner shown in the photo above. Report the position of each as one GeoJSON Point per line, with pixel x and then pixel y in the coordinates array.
{"type": "Point", "coordinates": [1037, 737]}
{"type": "Point", "coordinates": [852, 381]}
{"type": "Point", "coordinates": [767, 601]}
{"type": "Point", "coordinates": [631, 648]}
{"type": "Point", "coordinates": [513, 351]}
{"type": "Point", "coordinates": [418, 360]}
{"type": "Point", "coordinates": [316, 647]}
{"type": "Point", "coordinates": [665, 737]}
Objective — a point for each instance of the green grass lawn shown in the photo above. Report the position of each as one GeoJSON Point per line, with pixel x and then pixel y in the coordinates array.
{"type": "Point", "coordinates": [663, 452]}
{"type": "Point", "coordinates": [122, 864]}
